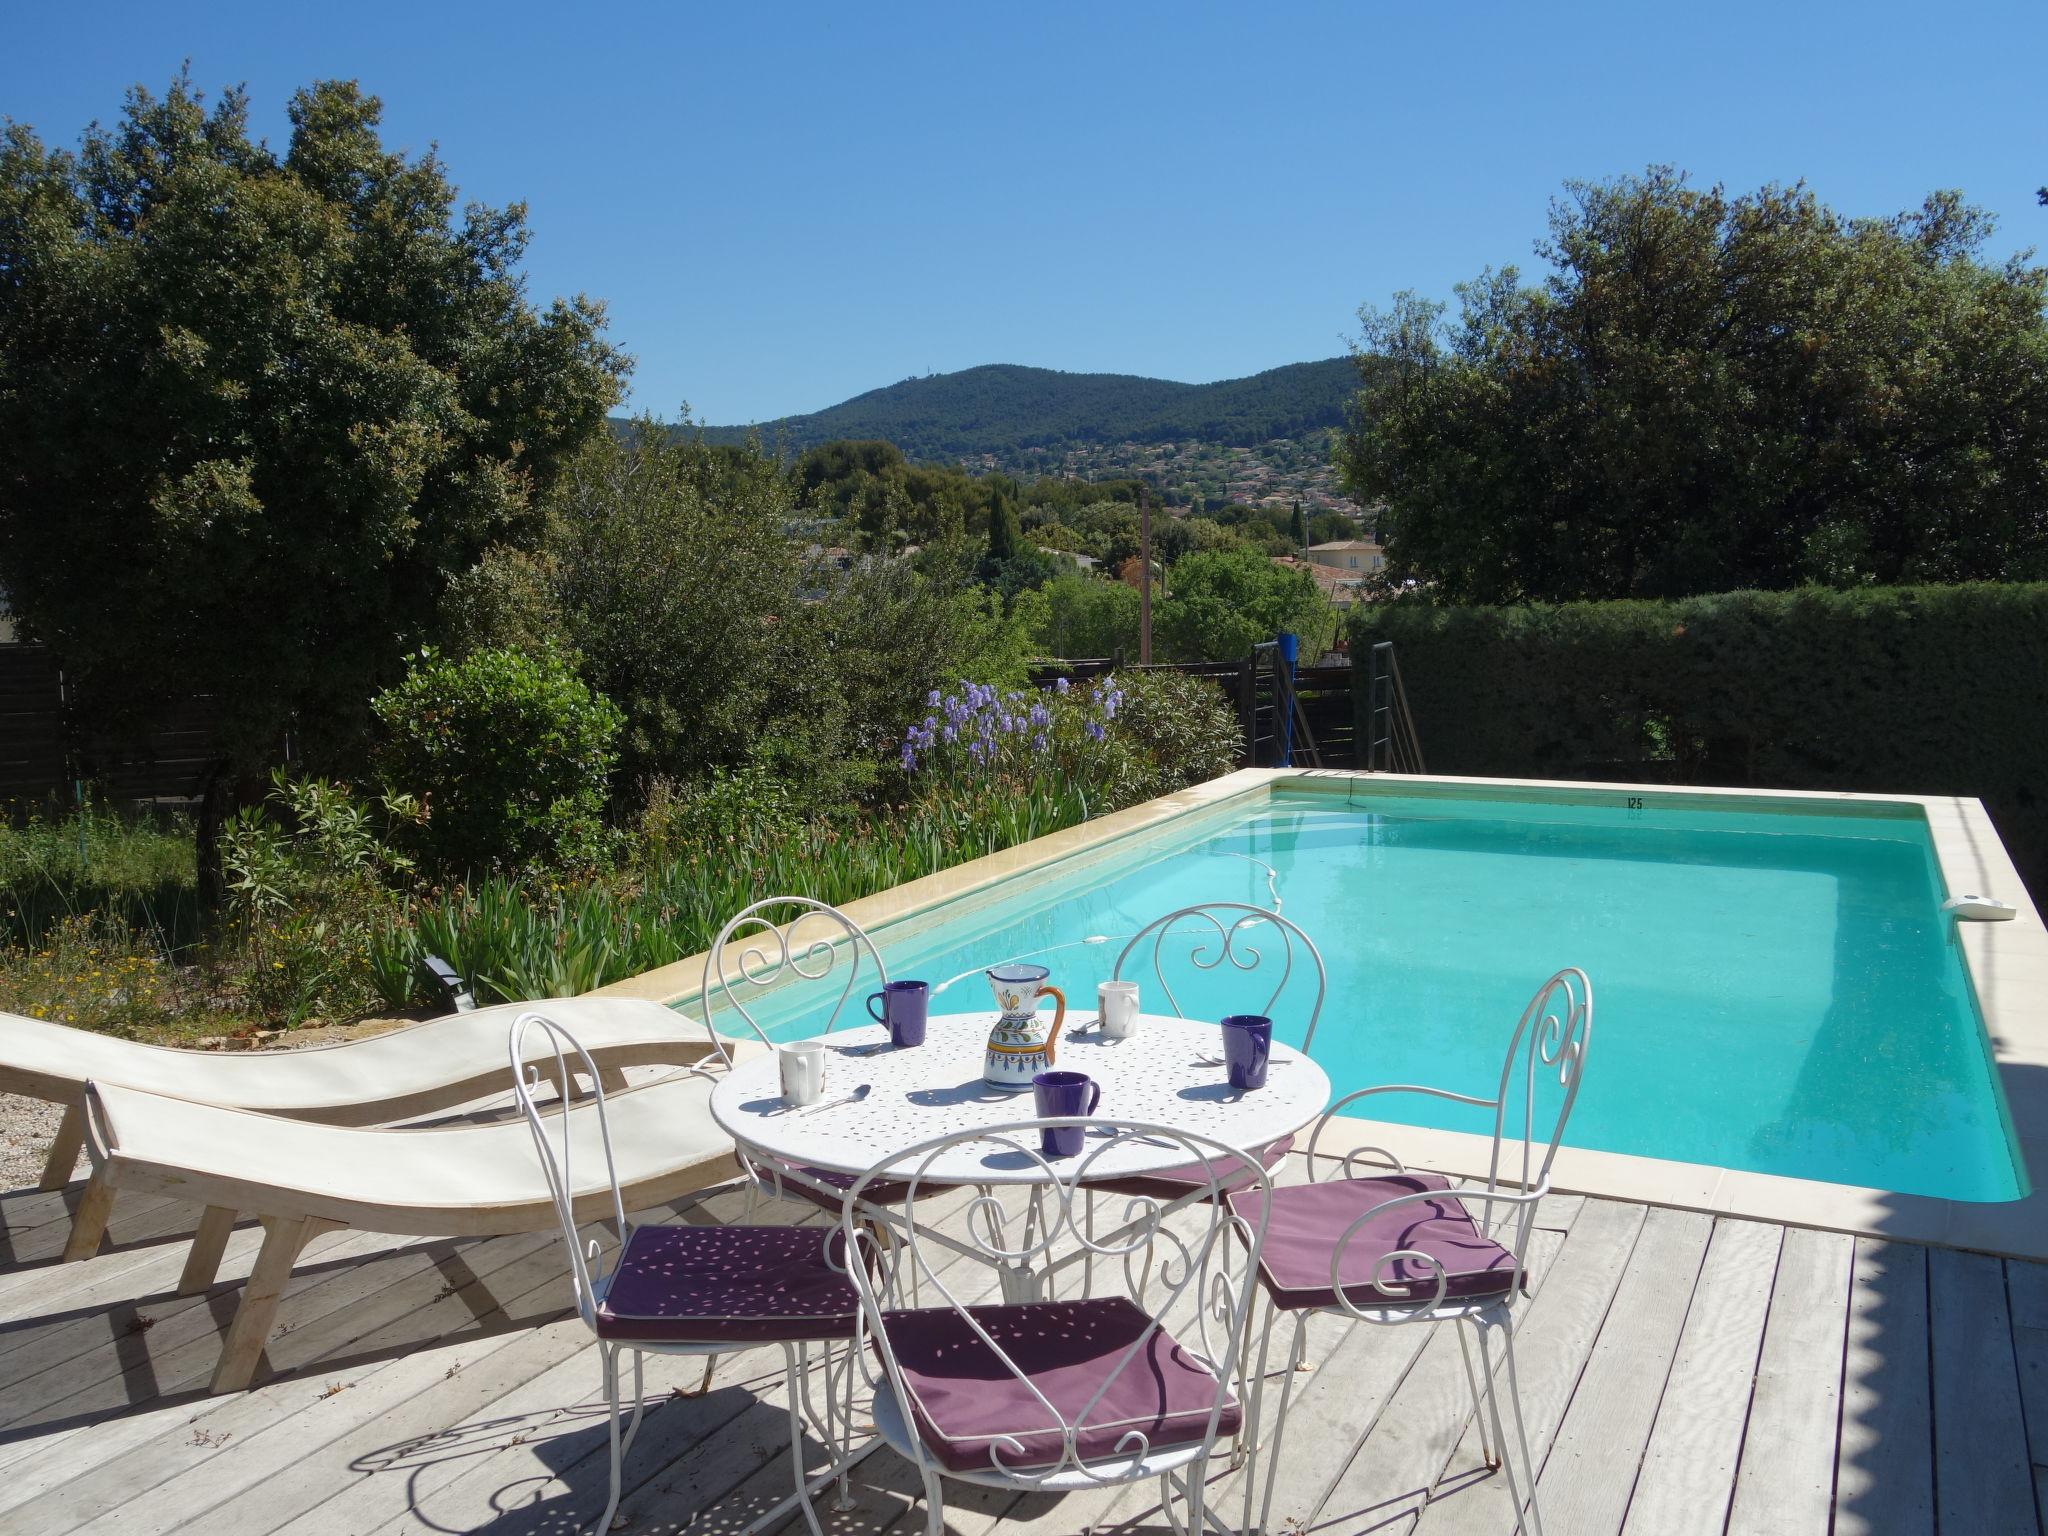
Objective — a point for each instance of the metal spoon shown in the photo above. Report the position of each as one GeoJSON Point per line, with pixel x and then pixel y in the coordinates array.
{"type": "Point", "coordinates": [852, 1098]}
{"type": "Point", "coordinates": [1218, 1061]}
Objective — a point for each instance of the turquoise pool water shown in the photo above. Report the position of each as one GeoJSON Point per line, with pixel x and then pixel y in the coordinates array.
{"type": "Point", "coordinates": [1776, 991]}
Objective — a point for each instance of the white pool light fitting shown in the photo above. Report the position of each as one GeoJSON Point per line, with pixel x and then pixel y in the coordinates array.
{"type": "Point", "coordinates": [1983, 909]}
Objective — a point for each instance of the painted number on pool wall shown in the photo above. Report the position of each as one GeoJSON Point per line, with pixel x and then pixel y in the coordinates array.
{"type": "Point", "coordinates": [1635, 806]}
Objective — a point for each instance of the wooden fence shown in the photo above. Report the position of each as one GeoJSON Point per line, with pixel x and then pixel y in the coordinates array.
{"type": "Point", "coordinates": [42, 756]}
{"type": "Point", "coordinates": [1327, 695]}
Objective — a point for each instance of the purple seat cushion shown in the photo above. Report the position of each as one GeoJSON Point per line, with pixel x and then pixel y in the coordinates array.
{"type": "Point", "coordinates": [1308, 1219]}
{"type": "Point", "coordinates": [964, 1399]}
{"type": "Point", "coordinates": [744, 1285]}
{"type": "Point", "coordinates": [1172, 1183]}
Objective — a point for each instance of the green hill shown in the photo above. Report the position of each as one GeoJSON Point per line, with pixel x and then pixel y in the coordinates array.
{"type": "Point", "coordinates": [1001, 408]}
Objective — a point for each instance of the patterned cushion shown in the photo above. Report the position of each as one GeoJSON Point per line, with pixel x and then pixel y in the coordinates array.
{"type": "Point", "coordinates": [744, 1285]}
{"type": "Point", "coordinates": [965, 1400]}
{"type": "Point", "coordinates": [1172, 1183]}
{"type": "Point", "coordinates": [1308, 1220]}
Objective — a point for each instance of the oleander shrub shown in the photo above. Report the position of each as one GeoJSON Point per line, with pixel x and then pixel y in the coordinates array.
{"type": "Point", "coordinates": [1177, 729]}
{"type": "Point", "coordinates": [508, 754]}
{"type": "Point", "coordinates": [1900, 690]}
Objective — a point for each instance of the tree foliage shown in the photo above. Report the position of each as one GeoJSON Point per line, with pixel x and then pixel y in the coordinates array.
{"type": "Point", "coordinates": [1710, 392]}
{"type": "Point", "coordinates": [509, 753]}
{"type": "Point", "coordinates": [1080, 617]}
{"type": "Point", "coordinates": [1808, 689]}
{"type": "Point", "coordinates": [1221, 605]}
{"type": "Point", "coordinates": [258, 408]}
{"type": "Point", "coordinates": [671, 571]}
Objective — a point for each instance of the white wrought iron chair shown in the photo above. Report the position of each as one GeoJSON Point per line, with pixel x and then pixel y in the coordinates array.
{"type": "Point", "coordinates": [685, 1290]}
{"type": "Point", "coordinates": [1213, 936]}
{"type": "Point", "coordinates": [1053, 1396]}
{"type": "Point", "coordinates": [1398, 1247]}
{"type": "Point", "coordinates": [788, 942]}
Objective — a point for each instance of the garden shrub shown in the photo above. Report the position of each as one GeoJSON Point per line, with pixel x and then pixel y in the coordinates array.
{"type": "Point", "coordinates": [507, 753]}
{"type": "Point", "coordinates": [1179, 728]}
{"type": "Point", "coordinates": [1894, 690]}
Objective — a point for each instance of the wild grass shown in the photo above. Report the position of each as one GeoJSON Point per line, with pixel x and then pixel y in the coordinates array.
{"type": "Point", "coordinates": [511, 942]}
{"type": "Point", "coordinates": [137, 871]}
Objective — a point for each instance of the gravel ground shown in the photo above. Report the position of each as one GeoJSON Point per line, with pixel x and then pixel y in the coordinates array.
{"type": "Point", "coordinates": [26, 1126]}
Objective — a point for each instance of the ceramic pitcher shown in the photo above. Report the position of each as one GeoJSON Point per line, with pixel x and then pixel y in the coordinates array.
{"type": "Point", "coordinates": [1021, 1046]}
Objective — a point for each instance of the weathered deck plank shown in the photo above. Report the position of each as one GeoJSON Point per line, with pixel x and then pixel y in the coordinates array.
{"type": "Point", "coordinates": [1592, 1466]}
{"type": "Point", "coordinates": [467, 1401]}
{"type": "Point", "coordinates": [1982, 1471]}
{"type": "Point", "coordinates": [1420, 1452]}
{"type": "Point", "coordinates": [1784, 1484]}
{"type": "Point", "coordinates": [1552, 1347]}
{"type": "Point", "coordinates": [1884, 1461]}
{"type": "Point", "coordinates": [1688, 1470]}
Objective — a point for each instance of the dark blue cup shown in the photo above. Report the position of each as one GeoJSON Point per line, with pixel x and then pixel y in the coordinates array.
{"type": "Point", "coordinates": [1247, 1048]}
{"type": "Point", "coordinates": [903, 1005]}
{"type": "Point", "coordinates": [1061, 1095]}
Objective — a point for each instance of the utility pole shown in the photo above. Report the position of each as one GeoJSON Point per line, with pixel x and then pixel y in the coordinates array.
{"type": "Point", "coordinates": [1144, 577]}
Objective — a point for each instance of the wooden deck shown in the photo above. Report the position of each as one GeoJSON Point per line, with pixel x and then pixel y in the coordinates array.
{"type": "Point", "coordinates": [1681, 1374]}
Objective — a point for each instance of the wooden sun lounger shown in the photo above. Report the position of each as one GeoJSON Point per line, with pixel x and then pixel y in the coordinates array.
{"type": "Point", "coordinates": [396, 1076]}
{"type": "Point", "coordinates": [301, 1179]}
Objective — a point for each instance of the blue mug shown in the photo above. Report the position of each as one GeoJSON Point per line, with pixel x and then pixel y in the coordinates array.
{"type": "Point", "coordinates": [1247, 1048]}
{"type": "Point", "coordinates": [903, 1005]}
{"type": "Point", "coordinates": [1061, 1095]}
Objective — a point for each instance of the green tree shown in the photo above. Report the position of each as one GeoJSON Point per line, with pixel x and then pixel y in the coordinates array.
{"type": "Point", "coordinates": [1005, 538]}
{"type": "Point", "coordinates": [1224, 603]}
{"type": "Point", "coordinates": [258, 408]}
{"type": "Point", "coordinates": [671, 573]}
{"type": "Point", "coordinates": [1080, 617]}
{"type": "Point", "coordinates": [507, 753]}
{"type": "Point", "coordinates": [1298, 530]}
{"type": "Point", "coordinates": [1710, 392]}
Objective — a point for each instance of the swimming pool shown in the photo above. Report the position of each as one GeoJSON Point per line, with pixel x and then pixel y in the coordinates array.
{"type": "Point", "coordinates": [1778, 989]}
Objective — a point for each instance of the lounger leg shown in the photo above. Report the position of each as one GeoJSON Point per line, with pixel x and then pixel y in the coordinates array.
{"type": "Point", "coordinates": [284, 1238]}
{"type": "Point", "coordinates": [612, 1079]}
{"type": "Point", "coordinates": [65, 1148]}
{"type": "Point", "coordinates": [89, 1221]}
{"type": "Point", "coordinates": [203, 1262]}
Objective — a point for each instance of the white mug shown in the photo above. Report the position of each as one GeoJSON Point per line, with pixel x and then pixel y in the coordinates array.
{"type": "Point", "coordinates": [1117, 1009]}
{"type": "Point", "coordinates": [802, 1064]}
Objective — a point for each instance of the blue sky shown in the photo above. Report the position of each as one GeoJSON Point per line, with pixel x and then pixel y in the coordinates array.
{"type": "Point", "coordinates": [784, 206]}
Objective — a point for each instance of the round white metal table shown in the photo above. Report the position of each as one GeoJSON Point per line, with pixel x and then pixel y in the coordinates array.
{"type": "Point", "coordinates": [1156, 1077]}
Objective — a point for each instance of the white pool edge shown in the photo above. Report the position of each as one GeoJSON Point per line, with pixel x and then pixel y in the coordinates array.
{"type": "Point", "coordinates": [2007, 964]}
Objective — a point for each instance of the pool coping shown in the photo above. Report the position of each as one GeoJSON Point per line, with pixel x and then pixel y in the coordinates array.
{"type": "Point", "coordinates": [2007, 963]}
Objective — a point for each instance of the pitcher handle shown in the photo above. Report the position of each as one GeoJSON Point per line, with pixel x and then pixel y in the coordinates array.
{"type": "Point", "coordinates": [1059, 1016]}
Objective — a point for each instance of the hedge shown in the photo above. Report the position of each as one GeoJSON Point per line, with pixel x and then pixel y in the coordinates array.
{"type": "Point", "coordinates": [1894, 690]}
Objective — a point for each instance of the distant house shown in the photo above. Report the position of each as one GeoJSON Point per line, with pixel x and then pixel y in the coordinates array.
{"type": "Point", "coordinates": [1361, 555]}
{"type": "Point", "coordinates": [1086, 562]}
{"type": "Point", "coordinates": [1342, 588]}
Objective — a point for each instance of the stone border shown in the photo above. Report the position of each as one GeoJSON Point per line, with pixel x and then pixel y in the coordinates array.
{"type": "Point", "coordinates": [2007, 964]}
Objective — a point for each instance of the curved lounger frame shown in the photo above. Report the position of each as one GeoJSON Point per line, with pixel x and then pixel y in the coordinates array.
{"type": "Point", "coordinates": [302, 1179]}
{"type": "Point", "coordinates": [396, 1076]}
